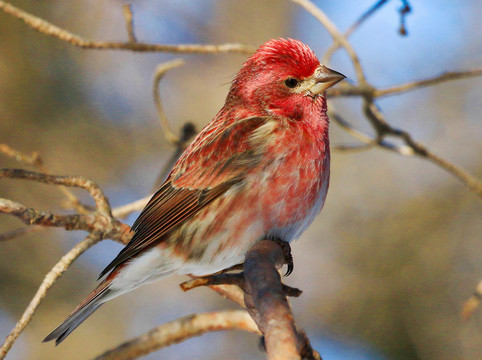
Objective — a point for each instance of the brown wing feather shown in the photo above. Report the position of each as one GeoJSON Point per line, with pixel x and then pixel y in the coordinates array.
{"type": "Point", "coordinates": [212, 172]}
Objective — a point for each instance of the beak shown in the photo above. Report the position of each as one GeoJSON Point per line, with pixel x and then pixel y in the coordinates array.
{"type": "Point", "coordinates": [324, 79]}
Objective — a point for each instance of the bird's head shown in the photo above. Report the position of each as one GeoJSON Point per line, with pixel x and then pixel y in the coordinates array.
{"type": "Point", "coordinates": [284, 77]}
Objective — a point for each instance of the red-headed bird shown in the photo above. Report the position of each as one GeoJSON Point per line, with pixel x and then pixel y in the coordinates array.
{"type": "Point", "coordinates": [260, 169]}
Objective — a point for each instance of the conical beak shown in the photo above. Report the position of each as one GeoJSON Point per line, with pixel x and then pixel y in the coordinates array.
{"type": "Point", "coordinates": [325, 78]}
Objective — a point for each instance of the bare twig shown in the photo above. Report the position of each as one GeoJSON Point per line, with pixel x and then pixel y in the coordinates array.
{"type": "Point", "coordinates": [368, 140]}
{"type": "Point", "coordinates": [336, 44]}
{"type": "Point", "coordinates": [375, 116]}
{"type": "Point", "coordinates": [473, 303]}
{"type": "Point", "coordinates": [101, 220]}
{"type": "Point", "coordinates": [111, 229]}
{"type": "Point", "coordinates": [159, 73]}
{"type": "Point", "coordinates": [124, 210]}
{"type": "Point", "coordinates": [36, 160]}
{"type": "Point", "coordinates": [50, 29]}
{"type": "Point", "coordinates": [368, 91]}
{"type": "Point", "coordinates": [448, 76]}
{"type": "Point", "coordinates": [47, 283]}
{"type": "Point", "coordinates": [179, 330]}
{"type": "Point", "coordinates": [129, 18]}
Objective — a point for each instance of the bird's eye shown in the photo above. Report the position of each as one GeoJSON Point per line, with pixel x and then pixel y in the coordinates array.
{"type": "Point", "coordinates": [291, 83]}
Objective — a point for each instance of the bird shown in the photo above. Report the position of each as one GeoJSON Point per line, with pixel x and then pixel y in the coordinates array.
{"type": "Point", "coordinates": [259, 170]}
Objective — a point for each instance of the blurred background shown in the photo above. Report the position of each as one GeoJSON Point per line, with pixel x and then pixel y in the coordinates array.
{"type": "Point", "coordinates": [386, 267]}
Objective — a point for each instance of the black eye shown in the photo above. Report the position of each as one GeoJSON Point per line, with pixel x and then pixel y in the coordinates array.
{"type": "Point", "coordinates": [291, 83]}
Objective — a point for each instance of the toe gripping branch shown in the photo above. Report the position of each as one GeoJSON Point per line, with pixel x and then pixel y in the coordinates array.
{"type": "Point", "coordinates": [265, 298]}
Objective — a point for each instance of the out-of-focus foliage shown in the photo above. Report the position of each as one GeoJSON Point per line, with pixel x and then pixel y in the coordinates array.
{"type": "Point", "coordinates": [386, 266]}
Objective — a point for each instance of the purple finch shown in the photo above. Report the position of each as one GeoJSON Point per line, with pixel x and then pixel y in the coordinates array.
{"type": "Point", "coordinates": [260, 169]}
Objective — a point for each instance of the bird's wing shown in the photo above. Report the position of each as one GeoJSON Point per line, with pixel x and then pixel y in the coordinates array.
{"type": "Point", "coordinates": [216, 160]}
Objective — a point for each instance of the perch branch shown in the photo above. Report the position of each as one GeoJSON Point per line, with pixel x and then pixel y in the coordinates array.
{"type": "Point", "coordinates": [50, 29]}
{"type": "Point", "coordinates": [47, 283]}
{"type": "Point", "coordinates": [268, 306]}
{"type": "Point", "coordinates": [179, 330]}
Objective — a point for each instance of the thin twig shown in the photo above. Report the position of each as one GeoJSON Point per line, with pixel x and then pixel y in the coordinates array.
{"type": "Point", "coordinates": [179, 330]}
{"type": "Point", "coordinates": [112, 229]}
{"type": "Point", "coordinates": [159, 73]}
{"type": "Point", "coordinates": [368, 140]}
{"type": "Point", "coordinates": [129, 18]}
{"type": "Point", "coordinates": [36, 160]}
{"type": "Point", "coordinates": [47, 283]}
{"type": "Point", "coordinates": [124, 210]}
{"type": "Point", "coordinates": [336, 44]}
{"type": "Point", "coordinates": [448, 76]}
{"type": "Point", "coordinates": [50, 29]}
{"type": "Point", "coordinates": [383, 129]}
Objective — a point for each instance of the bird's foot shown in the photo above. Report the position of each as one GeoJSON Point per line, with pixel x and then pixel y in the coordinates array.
{"type": "Point", "coordinates": [285, 246]}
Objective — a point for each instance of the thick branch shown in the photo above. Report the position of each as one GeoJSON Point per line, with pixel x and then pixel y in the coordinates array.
{"type": "Point", "coordinates": [47, 283]}
{"type": "Point", "coordinates": [179, 330]}
{"type": "Point", "coordinates": [50, 29]}
{"type": "Point", "coordinates": [268, 305]}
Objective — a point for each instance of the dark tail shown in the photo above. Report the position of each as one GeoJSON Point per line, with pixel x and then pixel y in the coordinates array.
{"type": "Point", "coordinates": [82, 312]}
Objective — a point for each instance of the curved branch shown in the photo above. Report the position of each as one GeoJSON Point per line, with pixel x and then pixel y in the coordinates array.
{"type": "Point", "coordinates": [50, 29]}
{"type": "Point", "coordinates": [179, 330]}
{"type": "Point", "coordinates": [159, 73]}
{"type": "Point", "coordinates": [47, 283]}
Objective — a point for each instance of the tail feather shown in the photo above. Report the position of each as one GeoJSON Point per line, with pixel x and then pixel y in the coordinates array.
{"type": "Point", "coordinates": [84, 310]}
